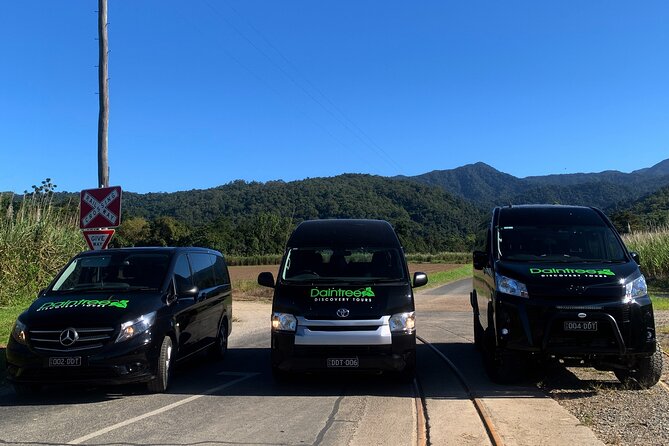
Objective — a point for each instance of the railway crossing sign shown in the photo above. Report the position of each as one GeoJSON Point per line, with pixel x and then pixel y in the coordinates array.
{"type": "Point", "coordinates": [98, 238]}
{"type": "Point", "coordinates": [100, 208]}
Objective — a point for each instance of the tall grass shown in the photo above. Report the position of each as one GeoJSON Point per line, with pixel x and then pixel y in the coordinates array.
{"type": "Point", "coordinates": [653, 249]}
{"type": "Point", "coordinates": [36, 240]}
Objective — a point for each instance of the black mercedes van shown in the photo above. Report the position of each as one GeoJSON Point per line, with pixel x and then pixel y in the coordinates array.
{"type": "Point", "coordinates": [556, 283]}
{"type": "Point", "coordinates": [122, 315]}
{"type": "Point", "coordinates": [343, 300]}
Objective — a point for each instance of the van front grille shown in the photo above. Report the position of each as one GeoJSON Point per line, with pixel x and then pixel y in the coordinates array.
{"type": "Point", "coordinates": [69, 340]}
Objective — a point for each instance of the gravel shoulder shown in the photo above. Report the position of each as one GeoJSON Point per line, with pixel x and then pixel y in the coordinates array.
{"type": "Point", "coordinates": [616, 414]}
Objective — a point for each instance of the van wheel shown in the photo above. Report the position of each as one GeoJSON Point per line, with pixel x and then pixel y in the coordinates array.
{"type": "Point", "coordinates": [281, 376]}
{"type": "Point", "coordinates": [501, 366]}
{"type": "Point", "coordinates": [645, 374]}
{"type": "Point", "coordinates": [26, 390]}
{"type": "Point", "coordinates": [408, 374]}
{"type": "Point", "coordinates": [160, 382]}
{"type": "Point", "coordinates": [220, 347]}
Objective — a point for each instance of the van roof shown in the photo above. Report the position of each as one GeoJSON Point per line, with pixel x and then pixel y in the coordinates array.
{"type": "Point", "coordinates": [344, 233]}
{"type": "Point", "coordinates": [548, 214]}
{"type": "Point", "coordinates": [150, 249]}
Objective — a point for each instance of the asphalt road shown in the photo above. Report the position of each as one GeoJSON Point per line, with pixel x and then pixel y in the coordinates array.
{"type": "Point", "coordinates": [236, 402]}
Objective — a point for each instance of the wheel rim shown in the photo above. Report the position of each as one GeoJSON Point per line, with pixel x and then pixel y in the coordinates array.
{"type": "Point", "coordinates": [168, 359]}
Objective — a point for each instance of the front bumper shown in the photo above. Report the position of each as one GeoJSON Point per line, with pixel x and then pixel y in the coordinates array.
{"type": "Point", "coordinates": [397, 356]}
{"type": "Point", "coordinates": [536, 325]}
{"type": "Point", "coordinates": [126, 362]}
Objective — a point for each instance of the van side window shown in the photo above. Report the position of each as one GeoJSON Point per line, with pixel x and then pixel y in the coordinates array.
{"type": "Point", "coordinates": [203, 270]}
{"type": "Point", "coordinates": [221, 271]}
{"type": "Point", "coordinates": [182, 275]}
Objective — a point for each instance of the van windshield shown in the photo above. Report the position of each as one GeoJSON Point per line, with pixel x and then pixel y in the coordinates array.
{"type": "Point", "coordinates": [117, 271]}
{"type": "Point", "coordinates": [561, 243]}
{"type": "Point", "coordinates": [326, 264]}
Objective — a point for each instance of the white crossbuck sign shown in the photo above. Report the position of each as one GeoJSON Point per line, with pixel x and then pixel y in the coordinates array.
{"type": "Point", "coordinates": [100, 208]}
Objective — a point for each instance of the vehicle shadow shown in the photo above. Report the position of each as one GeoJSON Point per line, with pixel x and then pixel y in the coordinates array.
{"type": "Point", "coordinates": [246, 372]}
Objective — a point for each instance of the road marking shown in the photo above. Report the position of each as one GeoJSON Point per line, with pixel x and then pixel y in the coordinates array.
{"type": "Point", "coordinates": [242, 377]}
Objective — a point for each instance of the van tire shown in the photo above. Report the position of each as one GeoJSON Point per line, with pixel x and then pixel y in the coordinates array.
{"type": "Point", "coordinates": [500, 365]}
{"type": "Point", "coordinates": [26, 390]}
{"type": "Point", "coordinates": [220, 347]}
{"type": "Point", "coordinates": [408, 373]}
{"type": "Point", "coordinates": [645, 374]}
{"type": "Point", "coordinates": [280, 376]}
{"type": "Point", "coordinates": [161, 381]}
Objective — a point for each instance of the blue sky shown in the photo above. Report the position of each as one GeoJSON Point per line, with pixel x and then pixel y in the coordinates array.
{"type": "Point", "coordinates": [204, 92]}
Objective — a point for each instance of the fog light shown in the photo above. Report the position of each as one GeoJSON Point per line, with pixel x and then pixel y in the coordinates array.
{"type": "Point", "coordinates": [505, 331]}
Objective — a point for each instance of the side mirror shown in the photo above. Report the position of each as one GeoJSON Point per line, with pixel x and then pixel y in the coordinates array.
{"type": "Point", "coordinates": [480, 259]}
{"type": "Point", "coordinates": [266, 279]}
{"type": "Point", "coordinates": [635, 257]}
{"type": "Point", "coordinates": [419, 279]}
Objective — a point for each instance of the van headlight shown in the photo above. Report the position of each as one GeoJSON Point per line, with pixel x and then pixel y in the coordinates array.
{"type": "Point", "coordinates": [636, 288]}
{"type": "Point", "coordinates": [19, 332]}
{"type": "Point", "coordinates": [510, 286]}
{"type": "Point", "coordinates": [403, 322]}
{"type": "Point", "coordinates": [136, 327]}
{"type": "Point", "coordinates": [284, 322]}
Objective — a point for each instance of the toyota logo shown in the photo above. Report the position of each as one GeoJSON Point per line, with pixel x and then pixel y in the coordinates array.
{"type": "Point", "coordinates": [68, 337]}
{"type": "Point", "coordinates": [343, 312]}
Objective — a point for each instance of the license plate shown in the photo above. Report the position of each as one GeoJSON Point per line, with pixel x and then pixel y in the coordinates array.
{"type": "Point", "coordinates": [580, 326]}
{"type": "Point", "coordinates": [68, 361]}
{"type": "Point", "coordinates": [342, 362]}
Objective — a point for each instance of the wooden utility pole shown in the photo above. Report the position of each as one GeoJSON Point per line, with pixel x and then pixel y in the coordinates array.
{"type": "Point", "coordinates": [103, 116]}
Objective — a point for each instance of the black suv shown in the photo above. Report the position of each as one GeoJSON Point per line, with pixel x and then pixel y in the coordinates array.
{"type": "Point", "coordinates": [557, 283]}
{"type": "Point", "coordinates": [122, 315]}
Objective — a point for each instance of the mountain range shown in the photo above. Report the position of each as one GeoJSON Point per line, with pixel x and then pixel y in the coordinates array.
{"type": "Point", "coordinates": [486, 186]}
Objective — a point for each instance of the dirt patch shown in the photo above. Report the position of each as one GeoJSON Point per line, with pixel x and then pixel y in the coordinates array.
{"type": "Point", "coordinates": [429, 268]}
{"type": "Point", "coordinates": [238, 273]}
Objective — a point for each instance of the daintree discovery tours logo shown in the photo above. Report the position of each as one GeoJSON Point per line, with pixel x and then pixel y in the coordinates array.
{"type": "Point", "coordinates": [570, 272]}
{"type": "Point", "coordinates": [83, 303]}
{"type": "Point", "coordinates": [340, 295]}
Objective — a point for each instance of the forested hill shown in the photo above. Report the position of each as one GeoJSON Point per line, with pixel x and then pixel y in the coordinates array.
{"type": "Point", "coordinates": [649, 212]}
{"type": "Point", "coordinates": [255, 218]}
{"type": "Point", "coordinates": [486, 186]}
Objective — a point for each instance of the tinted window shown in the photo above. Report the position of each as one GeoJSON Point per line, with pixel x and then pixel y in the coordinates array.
{"type": "Point", "coordinates": [203, 270]}
{"type": "Point", "coordinates": [182, 274]}
{"type": "Point", "coordinates": [336, 264]}
{"type": "Point", "coordinates": [117, 271]}
{"type": "Point", "coordinates": [221, 271]}
{"type": "Point", "coordinates": [572, 243]}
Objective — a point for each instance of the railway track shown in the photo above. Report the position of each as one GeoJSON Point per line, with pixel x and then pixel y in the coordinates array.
{"type": "Point", "coordinates": [481, 410]}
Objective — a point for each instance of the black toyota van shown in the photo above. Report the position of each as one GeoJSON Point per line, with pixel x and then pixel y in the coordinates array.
{"type": "Point", "coordinates": [122, 315]}
{"type": "Point", "coordinates": [557, 284]}
{"type": "Point", "coordinates": [343, 300]}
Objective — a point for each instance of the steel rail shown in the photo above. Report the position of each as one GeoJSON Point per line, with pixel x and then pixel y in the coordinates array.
{"type": "Point", "coordinates": [481, 410]}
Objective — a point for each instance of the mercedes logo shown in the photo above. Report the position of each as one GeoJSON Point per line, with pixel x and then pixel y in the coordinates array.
{"type": "Point", "coordinates": [68, 337]}
{"type": "Point", "coordinates": [343, 312]}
